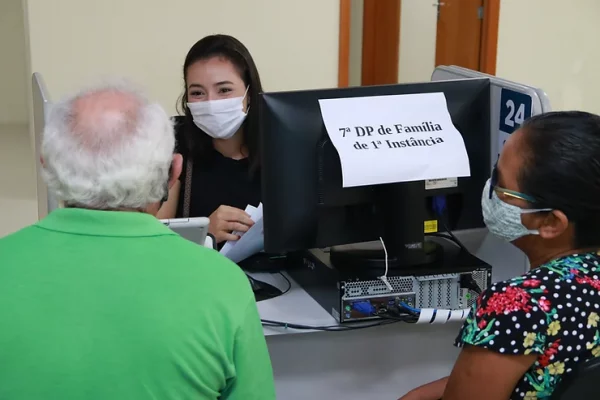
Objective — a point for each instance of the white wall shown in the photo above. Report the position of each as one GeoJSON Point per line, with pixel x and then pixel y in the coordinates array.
{"type": "Point", "coordinates": [18, 203]}
{"type": "Point", "coordinates": [13, 87]}
{"type": "Point", "coordinates": [74, 42]}
{"type": "Point", "coordinates": [418, 27]}
{"type": "Point", "coordinates": [418, 24]}
{"type": "Point", "coordinates": [294, 43]}
{"type": "Point", "coordinates": [18, 206]}
{"type": "Point", "coordinates": [553, 44]}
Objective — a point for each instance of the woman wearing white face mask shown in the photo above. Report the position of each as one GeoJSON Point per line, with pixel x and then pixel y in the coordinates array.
{"type": "Point", "coordinates": [218, 137]}
{"type": "Point", "coordinates": [526, 334]}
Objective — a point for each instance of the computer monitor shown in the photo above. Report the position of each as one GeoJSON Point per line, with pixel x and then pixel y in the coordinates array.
{"type": "Point", "coordinates": [306, 206]}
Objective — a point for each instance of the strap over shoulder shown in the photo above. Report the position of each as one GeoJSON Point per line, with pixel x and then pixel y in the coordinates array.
{"type": "Point", "coordinates": [187, 187]}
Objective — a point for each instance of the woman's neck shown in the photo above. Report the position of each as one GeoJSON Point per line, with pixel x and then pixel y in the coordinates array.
{"type": "Point", "coordinates": [233, 147]}
{"type": "Point", "coordinates": [539, 259]}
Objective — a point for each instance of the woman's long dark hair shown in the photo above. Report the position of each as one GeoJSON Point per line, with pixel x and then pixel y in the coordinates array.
{"type": "Point", "coordinates": [196, 142]}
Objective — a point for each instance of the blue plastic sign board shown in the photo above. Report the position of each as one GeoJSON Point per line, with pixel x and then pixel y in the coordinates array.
{"type": "Point", "coordinates": [515, 108]}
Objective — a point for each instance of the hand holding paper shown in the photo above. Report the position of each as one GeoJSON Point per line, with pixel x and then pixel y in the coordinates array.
{"type": "Point", "coordinates": [250, 242]}
{"type": "Point", "coordinates": [227, 219]}
{"type": "Point", "coordinates": [389, 139]}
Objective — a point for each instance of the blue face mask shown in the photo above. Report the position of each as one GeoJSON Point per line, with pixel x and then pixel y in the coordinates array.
{"type": "Point", "coordinates": [503, 219]}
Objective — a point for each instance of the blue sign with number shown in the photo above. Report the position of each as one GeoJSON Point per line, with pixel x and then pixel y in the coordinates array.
{"type": "Point", "coordinates": [515, 108]}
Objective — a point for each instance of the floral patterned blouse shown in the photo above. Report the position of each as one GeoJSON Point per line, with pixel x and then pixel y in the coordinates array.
{"type": "Point", "coordinates": [552, 311]}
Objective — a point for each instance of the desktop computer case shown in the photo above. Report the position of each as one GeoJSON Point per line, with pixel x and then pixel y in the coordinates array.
{"type": "Point", "coordinates": [338, 294]}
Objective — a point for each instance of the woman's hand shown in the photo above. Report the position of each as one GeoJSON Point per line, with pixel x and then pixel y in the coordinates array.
{"type": "Point", "coordinates": [226, 220]}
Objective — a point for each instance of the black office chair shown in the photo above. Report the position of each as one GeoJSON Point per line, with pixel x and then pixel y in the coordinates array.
{"type": "Point", "coordinates": [581, 384]}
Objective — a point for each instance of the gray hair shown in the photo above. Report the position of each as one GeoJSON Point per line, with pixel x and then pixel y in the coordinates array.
{"type": "Point", "coordinates": [108, 147]}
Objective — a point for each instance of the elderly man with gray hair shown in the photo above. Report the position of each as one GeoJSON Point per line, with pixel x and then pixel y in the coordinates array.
{"type": "Point", "coordinates": [99, 300]}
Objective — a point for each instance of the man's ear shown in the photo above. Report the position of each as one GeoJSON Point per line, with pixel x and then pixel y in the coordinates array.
{"type": "Point", "coordinates": [42, 161]}
{"type": "Point", "coordinates": [554, 224]}
{"type": "Point", "coordinates": [176, 167]}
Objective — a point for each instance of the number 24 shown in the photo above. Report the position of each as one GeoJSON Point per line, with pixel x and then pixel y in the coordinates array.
{"type": "Point", "coordinates": [513, 117]}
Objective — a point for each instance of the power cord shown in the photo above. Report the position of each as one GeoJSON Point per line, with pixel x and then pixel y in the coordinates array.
{"type": "Point", "coordinates": [384, 278]}
{"type": "Point", "coordinates": [255, 282]}
{"type": "Point", "coordinates": [330, 328]}
{"type": "Point", "coordinates": [405, 313]}
{"type": "Point", "coordinates": [288, 283]}
{"type": "Point", "coordinates": [439, 207]}
{"type": "Point", "coordinates": [388, 316]}
{"type": "Point", "coordinates": [434, 315]}
{"type": "Point", "coordinates": [390, 312]}
{"type": "Point", "coordinates": [448, 238]}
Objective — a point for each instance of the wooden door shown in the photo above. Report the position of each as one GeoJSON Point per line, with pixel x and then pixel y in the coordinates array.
{"type": "Point", "coordinates": [381, 36]}
{"type": "Point", "coordinates": [459, 33]}
{"type": "Point", "coordinates": [467, 36]}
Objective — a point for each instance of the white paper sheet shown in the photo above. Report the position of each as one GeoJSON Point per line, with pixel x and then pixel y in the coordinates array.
{"type": "Point", "coordinates": [251, 242]}
{"type": "Point", "coordinates": [388, 139]}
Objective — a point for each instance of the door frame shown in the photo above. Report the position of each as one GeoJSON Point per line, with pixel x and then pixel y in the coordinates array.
{"type": "Point", "coordinates": [344, 44]}
{"type": "Point", "coordinates": [487, 55]}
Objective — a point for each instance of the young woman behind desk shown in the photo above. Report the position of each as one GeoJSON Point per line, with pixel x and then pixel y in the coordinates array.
{"type": "Point", "coordinates": [218, 137]}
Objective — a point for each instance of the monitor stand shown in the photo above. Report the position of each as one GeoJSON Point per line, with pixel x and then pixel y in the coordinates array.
{"type": "Point", "coordinates": [401, 211]}
{"type": "Point", "coordinates": [371, 256]}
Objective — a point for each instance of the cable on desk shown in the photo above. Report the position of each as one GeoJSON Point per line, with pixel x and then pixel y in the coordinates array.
{"type": "Point", "coordinates": [434, 315]}
{"type": "Point", "coordinates": [256, 282]}
{"type": "Point", "coordinates": [439, 207]}
{"type": "Point", "coordinates": [408, 318]}
{"type": "Point", "coordinates": [451, 235]}
{"type": "Point", "coordinates": [447, 237]}
{"type": "Point", "coordinates": [330, 328]}
{"type": "Point", "coordinates": [410, 309]}
{"type": "Point", "coordinates": [384, 278]}
{"type": "Point", "coordinates": [288, 282]}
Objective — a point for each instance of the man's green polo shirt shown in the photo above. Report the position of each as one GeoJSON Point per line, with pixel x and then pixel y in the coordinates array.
{"type": "Point", "coordinates": [114, 305]}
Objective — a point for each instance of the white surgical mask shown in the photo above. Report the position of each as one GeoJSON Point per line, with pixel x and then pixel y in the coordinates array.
{"type": "Point", "coordinates": [220, 119]}
{"type": "Point", "coordinates": [503, 219]}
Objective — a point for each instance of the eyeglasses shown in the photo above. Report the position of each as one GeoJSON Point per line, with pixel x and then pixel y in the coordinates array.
{"type": "Point", "coordinates": [510, 193]}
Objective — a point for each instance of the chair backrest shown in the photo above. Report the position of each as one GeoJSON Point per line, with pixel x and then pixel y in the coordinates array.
{"type": "Point", "coordinates": [41, 106]}
{"type": "Point", "coordinates": [581, 384]}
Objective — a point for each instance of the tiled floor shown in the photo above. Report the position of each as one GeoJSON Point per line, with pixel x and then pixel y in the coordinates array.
{"type": "Point", "coordinates": [18, 203]}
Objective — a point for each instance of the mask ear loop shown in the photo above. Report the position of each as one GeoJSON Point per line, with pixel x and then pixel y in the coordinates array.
{"type": "Point", "coordinates": [246, 94]}
{"type": "Point", "coordinates": [534, 211]}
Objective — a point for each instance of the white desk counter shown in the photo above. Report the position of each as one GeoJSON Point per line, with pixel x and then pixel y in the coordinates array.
{"type": "Point", "coordinates": [380, 363]}
{"type": "Point", "coordinates": [373, 363]}
{"type": "Point", "coordinates": [296, 306]}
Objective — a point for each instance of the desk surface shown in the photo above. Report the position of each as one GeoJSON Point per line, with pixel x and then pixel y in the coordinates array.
{"type": "Point", "coordinates": [296, 306]}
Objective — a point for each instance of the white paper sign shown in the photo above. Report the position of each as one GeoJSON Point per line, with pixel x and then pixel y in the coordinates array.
{"type": "Point", "coordinates": [389, 139]}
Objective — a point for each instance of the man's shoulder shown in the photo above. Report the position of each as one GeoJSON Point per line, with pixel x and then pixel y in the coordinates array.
{"type": "Point", "coordinates": [21, 237]}
{"type": "Point", "coordinates": [206, 262]}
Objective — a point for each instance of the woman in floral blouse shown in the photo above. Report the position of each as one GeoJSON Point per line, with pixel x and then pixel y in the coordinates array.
{"type": "Point", "coordinates": [525, 334]}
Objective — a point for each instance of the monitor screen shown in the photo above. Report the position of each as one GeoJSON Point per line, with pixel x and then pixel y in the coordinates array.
{"type": "Point", "coordinates": [305, 204]}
